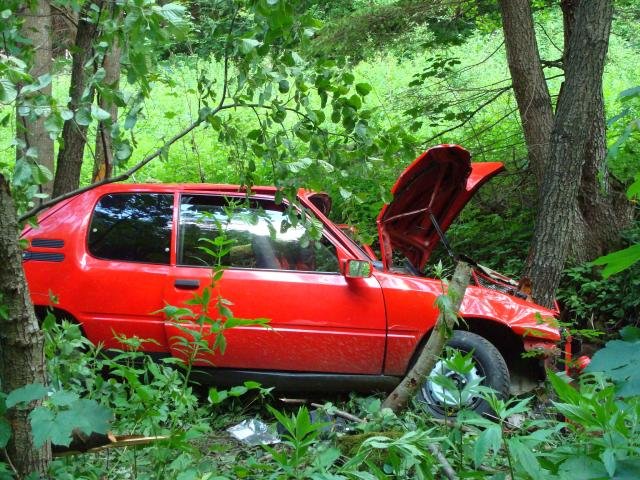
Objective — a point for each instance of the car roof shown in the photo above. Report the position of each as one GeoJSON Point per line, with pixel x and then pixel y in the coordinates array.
{"type": "Point", "coordinates": [214, 188]}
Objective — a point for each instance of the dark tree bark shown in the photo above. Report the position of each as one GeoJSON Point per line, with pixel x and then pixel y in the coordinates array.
{"type": "Point", "coordinates": [529, 85]}
{"type": "Point", "coordinates": [103, 164]}
{"type": "Point", "coordinates": [602, 210]}
{"type": "Point", "coordinates": [406, 390]}
{"type": "Point", "coordinates": [595, 214]}
{"type": "Point", "coordinates": [21, 341]}
{"type": "Point", "coordinates": [556, 221]}
{"type": "Point", "coordinates": [74, 136]}
{"type": "Point", "coordinates": [37, 29]}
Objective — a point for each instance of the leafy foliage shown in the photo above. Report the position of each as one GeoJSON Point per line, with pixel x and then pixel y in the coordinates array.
{"type": "Point", "coordinates": [605, 304]}
{"type": "Point", "coordinates": [618, 362]}
{"type": "Point", "coordinates": [293, 118]}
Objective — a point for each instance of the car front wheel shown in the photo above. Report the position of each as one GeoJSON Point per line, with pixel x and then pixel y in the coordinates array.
{"type": "Point", "coordinates": [488, 369]}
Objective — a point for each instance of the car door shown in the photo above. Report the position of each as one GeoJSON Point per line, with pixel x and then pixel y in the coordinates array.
{"type": "Point", "coordinates": [124, 264]}
{"type": "Point", "coordinates": [319, 321]}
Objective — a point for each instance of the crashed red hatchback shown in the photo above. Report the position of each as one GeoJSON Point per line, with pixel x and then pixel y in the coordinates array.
{"type": "Point", "coordinates": [340, 319]}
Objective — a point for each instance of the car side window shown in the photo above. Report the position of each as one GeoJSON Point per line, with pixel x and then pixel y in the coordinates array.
{"type": "Point", "coordinates": [132, 227]}
{"type": "Point", "coordinates": [247, 235]}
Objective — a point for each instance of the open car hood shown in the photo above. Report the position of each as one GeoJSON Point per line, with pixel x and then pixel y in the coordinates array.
{"type": "Point", "coordinates": [440, 182]}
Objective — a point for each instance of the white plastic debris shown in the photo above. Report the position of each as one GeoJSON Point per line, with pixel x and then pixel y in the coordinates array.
{"type": "Point", "coordinates": [253, 432]}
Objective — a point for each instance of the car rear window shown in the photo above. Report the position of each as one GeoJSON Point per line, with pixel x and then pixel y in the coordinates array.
{"type": "Point", "coordinates": [133, 227]}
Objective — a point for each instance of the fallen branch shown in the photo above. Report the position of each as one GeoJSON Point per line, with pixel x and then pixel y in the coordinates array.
{"type": "Point", "coordinates": [399, 398]}
{"type": "Point", "coordinates": [99, 442]}
{"type": "Point", "coordinates": [453, 424]}
{"type": "Point", "coordinates": [448, 471]}
{"type": "Point", "coordinates": [336, 412]}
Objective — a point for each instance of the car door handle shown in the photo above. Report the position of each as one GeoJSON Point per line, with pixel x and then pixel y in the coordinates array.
{"type": "Point", "coordinates": [187, 284]}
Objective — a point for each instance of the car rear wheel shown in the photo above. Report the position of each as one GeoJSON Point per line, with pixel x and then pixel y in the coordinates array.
{"type": "Point", "coordinates": [489, 370]}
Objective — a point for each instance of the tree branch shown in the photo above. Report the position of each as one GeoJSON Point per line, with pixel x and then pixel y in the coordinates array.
{"type": "Point", "coordinates": [132, 170]}
{"type": "Point", "coordinates": [442, 460]}
{"type": "Point", "coordinates": [469, 117]}
{"type": "Point", "coordinates": [63, 12]}
{"type": "Point", "coordinates": [225, 78]}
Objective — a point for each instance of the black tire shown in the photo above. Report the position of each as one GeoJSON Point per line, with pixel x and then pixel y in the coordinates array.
{"type": "Point", "coordinates": [489, 364]}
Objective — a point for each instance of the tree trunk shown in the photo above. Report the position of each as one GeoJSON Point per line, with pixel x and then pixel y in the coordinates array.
{"type": "Point", "coordinates": [74, 135]}
{"type": "Point", "coordinates": [21, 342]}
{"type": "Point", "coordinates": [577, 107]}
{"type": "Point", "coordinates": [599, 209]}
{"type": "Point", "coordinates": [529, 85]}
{"type": "Point", "coordinates": [103, 164]}
{"type": "Point", "coordinates": [602, 210]}
{"type": "Point", "coordinates": [37, 29]}
{"type": "Point", "coordinates": [405, 391]}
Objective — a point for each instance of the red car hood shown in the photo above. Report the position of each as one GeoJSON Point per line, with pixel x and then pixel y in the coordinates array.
{"type": "Point", "coordinates": [440, 181]}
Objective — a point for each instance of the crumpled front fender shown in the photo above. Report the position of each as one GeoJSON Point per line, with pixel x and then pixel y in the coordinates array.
{"type": "Point", "coordinates": [537, 325]}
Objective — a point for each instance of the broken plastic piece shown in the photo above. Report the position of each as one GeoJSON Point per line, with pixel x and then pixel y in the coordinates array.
{"type": "Point", "coordinates": [253, 432]}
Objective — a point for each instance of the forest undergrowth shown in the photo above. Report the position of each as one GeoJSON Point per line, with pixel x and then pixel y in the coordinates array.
{"type": "Point", "coordinates": [587, 429]}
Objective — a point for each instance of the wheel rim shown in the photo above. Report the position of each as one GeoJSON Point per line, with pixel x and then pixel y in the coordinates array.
{"type": "Point", "coordinates": [445, 400]}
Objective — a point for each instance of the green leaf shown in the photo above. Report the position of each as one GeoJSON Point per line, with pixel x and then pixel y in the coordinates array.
{"type": "Point", "coordinates": [83, 116]}
{"type": "Point", "coordinates": [131, 120]}
{"type": "Point", "coordinates": [41, 174]}
{"type": "Point", "coordinates": [238, 390]}
{"type": "Point", "coordinates": [363, 89]}
{"type": "Point", "coordinates": [583, 468]}
{"type": "Point", "coordinates": [348, 78]}
{"type": "Point", "coordinates": [249, 44]}
{"type": "Point", "coordinates": [565, 392]}
{"type": "Point", "coordinates": [526, 460]}
{"type": "Point", "coordinates": [283, 86]}
{"type": "Point", "coordinates": [629, 93]}
{"type": "Point", "coordinates": [216, 397]}
{"type": "Point", "coordinates": [609, 460]}
{"type": "Point", "coordinates": [618, 261]}
{"type": "Point", "coordinates": [66, 114]}
{"type": "Point", "coordinates": [88, 416]}
{"type": "Point", "coordinates": [5, 432]}
{"type": "Point", "coordinates": [301, 164]}
{"type": "Point", "coordinates": [355, 101]}
{"type": "Point", "coordinates": [630, 334]}
{"type": "Point", "coordinates": [628, 469]}
{"type": "Point", "coordinates": [22, 173]}
{"type": "Point", "coordinates": [26, 394]}
{"type": "Point", "coordinates": [99, 114]}
{"type": "Point", "coordinates": [63, 398]}
{"type": "Point", "coordinates": [489, 439]}
{"type": "Point", "coordinates": [346, 194]}
{"type": "Point", "coordinates": [45, 426]}
{"type": "Point", "coordinates": [123, 151]}
{"type": "Point", "coordinates": [8, 92]}
{"type": "Point", "coordinates": [174, 13]}
{"type": "Point", "coordinates": [634, 189]}
{"type": "Point", "coordinates": [53, 125]}
{"type": "Point", "coordinates": [619, 360]}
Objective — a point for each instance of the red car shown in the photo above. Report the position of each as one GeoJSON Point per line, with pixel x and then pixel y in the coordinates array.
{"type": "Point", "coordinates": [340, 319]}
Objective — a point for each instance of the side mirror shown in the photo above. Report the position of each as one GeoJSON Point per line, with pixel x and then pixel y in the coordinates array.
{"type": "Point", "coordinates": [357, 268]}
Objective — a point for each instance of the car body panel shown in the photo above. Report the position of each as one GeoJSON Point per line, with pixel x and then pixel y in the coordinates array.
{"type": "Point", "coordinates": [440, 182]}
{"type": "Point", "coordinates": [345, 332]}
{"type": "Point", "coordinates": [411, 312]}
